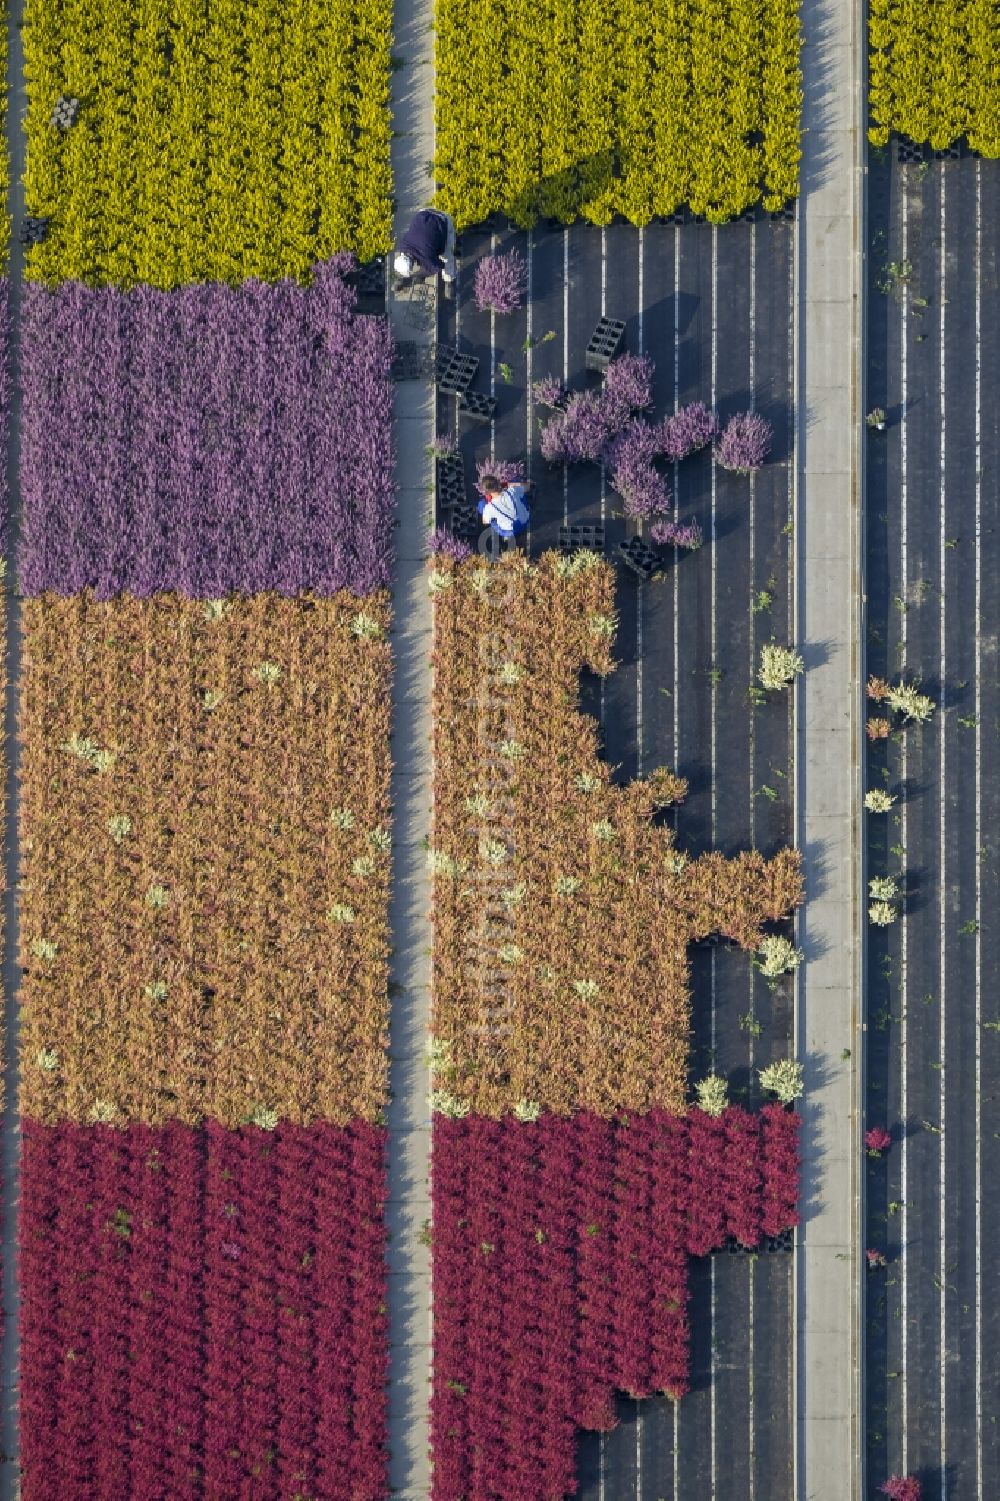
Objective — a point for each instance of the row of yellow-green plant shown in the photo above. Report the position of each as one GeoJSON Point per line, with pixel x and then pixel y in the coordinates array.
{"type": "Point", "coordinates": [4, 159]}
{"type": "Point", "coordinates": [588, 108]}
{"type": "Point", "coordinates": [244, 138]}
{"type": "Point", "coordinates": [934, 72]}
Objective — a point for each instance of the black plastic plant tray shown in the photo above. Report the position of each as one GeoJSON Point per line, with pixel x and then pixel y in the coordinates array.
{"type": "Point", "coordinates": [909, 152]}
{"type": "Point", "coordinates": [368, 280]}
{"type": "Point", "coordinates": [450, 487]}
{"type": "Point", "coordinates": [454, 371]}
{"type": "Point", "coordinates": [580, 537]}
{"type": "Point", "coordinates": [604, 342]}
{"type": "Point", "coordinates": [771, 1243]}
{"type": "Point", "coordinates": [785, 214]}
{"type": "Point", "coordinates": [639, 557]}
{"type": "Point", "coordinates": [34, 231]}
{"type": "Point", "coordinates": [465, 523]}
{"type": "Point", "coordinates": [451, 470]}
{"type": "Point", "coordinates": [952, 153]}
{"type": "Point", "coordinates": [411, 361]}
{"type": "Point", "coordinates": [450, 493]}
{"type": "Point", "coordinates": [476, 407]}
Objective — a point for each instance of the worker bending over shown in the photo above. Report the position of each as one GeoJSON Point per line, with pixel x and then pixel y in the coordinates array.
{"type": "Point", "coordinates": [504, 507]}
{"type": "Point", "coordinates": [428, 246]}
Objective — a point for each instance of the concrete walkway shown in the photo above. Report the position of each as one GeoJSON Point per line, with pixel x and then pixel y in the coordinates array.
{"type": "Point", "coordinates": [409, 1110]}
{"type": "Point", "coordinates": [828, 747]}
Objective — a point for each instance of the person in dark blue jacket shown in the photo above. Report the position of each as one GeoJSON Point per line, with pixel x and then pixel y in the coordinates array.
{"type": "Point", "coordinates": [428, 246]}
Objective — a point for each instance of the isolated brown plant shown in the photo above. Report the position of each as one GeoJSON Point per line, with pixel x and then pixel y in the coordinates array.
{"type": "Point", "coordinates": [562, 915]}
{"type": "Point", "coordinates": [204, 902]}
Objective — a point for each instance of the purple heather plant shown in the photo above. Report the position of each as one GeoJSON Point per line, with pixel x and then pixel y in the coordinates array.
{"type": "Point", "coordinates": [745, 442]}
{"type": "Point", "coordinates": [507, 471]}
{"type": "Point", "coordinates": [581, 432]}
{"type": "Point", "coordinates": [441, 446]}
{"type": "Point", "coordinates": [687, 430]}
{"type": "Point", "coordinates": [501, 282]}
{"type": "Point", "coordinates": [441, 543]}
{"type": "Point", "coordinates": [6, 391]}
{"type": "Point", "coordinates": [629, 457]}
{"type": "Point", "coordinates": [208, 440]}
{"type": "Point", "coordinates": [676, 534]}
{"type": "Point", "coordinates": [628, 382]}
{"type": "Point", "coordinates": [549, 391]}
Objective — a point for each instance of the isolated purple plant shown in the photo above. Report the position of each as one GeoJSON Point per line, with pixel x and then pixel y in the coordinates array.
{"type": "Point", "coordinates": [745, 442]}
{"type": "Point", "coordinates": [441, 446]}
{"type": "Point", "coordinates": [687, 430]}
{"type": "Point", "coordinates": [630, 459]}
{"type": "Point", "coordinates": [628, 382]}
{"type": "Point", "coordinates": [549, 391]}
{"type": "Point", "coordinates": [441, 543]}
{"type": "Point", "coordinates": [677, 534]}
{"type": "Point", "coordinates": [207, 440]}
{"type": "Point", "coordinates": [507, 471]}
{"type": "Point", "coordinates": [501, 282]}
{"type": "Point", "coordinates": [902, 1488]}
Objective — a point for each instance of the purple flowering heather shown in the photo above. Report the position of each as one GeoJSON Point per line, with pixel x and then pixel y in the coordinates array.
{"type": "Point", "coordinates": [629, 458]}
{"type": "Point", "coordinates": [6, 391]}
{"type": "Point", "coordinates": [441, 543]}
{"type": "Point", "coordinates": [442, 447]}
{"type": "Point", "coordinates": [687, 430]}
{"type": "Point", "coordinates": [676, 534]}
{"type": "Point", "coordinates": [507, 471]}
{"type": "Point", "coordinates": [628, 382]}
{"type": "Point", "coordinates": [501, 282]}
{"type": "Point", "coordinates": [582, 431]}
{"type": "Point", "coordinates": [207, 440]}
{"type": "Point", "coordinates": [745, 442]}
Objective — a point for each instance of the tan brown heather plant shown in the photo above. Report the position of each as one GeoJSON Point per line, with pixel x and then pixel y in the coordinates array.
{"type": "Point", "coordinates": [180, 958]}
{"type": "Point", "coordinates": [562, 916]}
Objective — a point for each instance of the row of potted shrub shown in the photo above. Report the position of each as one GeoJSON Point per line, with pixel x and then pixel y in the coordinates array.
{"type": "Point", "coordinates": [706, 112]}
{"type": "Point", "coordinates": [210, 143]}
{"type": "Point", "coordinates": [202, 1312]}
{"type": "Point", "coordinates": [560, 1252]}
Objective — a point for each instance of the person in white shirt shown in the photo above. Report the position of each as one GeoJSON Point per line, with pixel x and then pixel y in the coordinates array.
{"type": "Point", "coordinates": [504, 507]}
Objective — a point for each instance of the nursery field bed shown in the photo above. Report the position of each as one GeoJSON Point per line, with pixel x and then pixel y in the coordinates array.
{"type": "Point", "coordinates": [933, 614]}
{"type": "Point", "coordinates": [712, 308]}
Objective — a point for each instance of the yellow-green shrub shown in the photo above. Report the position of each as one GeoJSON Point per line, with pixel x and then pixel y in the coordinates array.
{"type": "Point", "coordinates": [588, 108]}
{"type": "Point", "coordinates": [934, 72]}
{"type": "Point", "coordinates": [242, 138]}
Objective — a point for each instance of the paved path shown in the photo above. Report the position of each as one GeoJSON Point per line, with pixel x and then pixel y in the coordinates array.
{"type": "Point", "coordinates": [409, 1111]}
{"type": "Point", "coordinates": [828, 730]}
